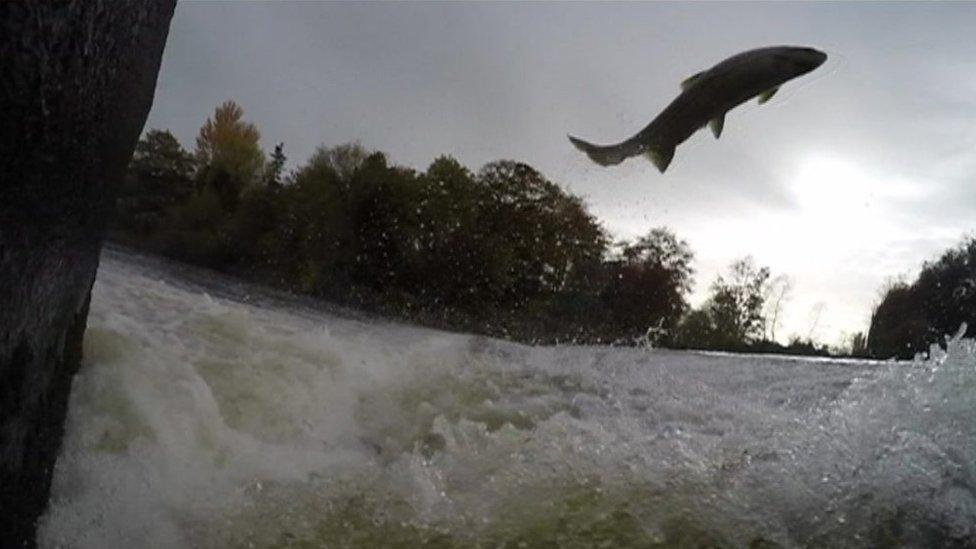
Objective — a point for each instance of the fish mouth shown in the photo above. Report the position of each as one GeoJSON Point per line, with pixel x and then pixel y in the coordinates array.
{"type": "Point", "coordinates": [808, 58]}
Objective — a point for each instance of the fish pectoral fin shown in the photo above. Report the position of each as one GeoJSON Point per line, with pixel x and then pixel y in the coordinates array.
{"type": "Point", "coordinates": [687, 82]}
{"type": "Point", "coordinates": [767, 95]}
{"type": "Point", "coordinates": [661, 157]}
{"type": "Point", "coordinates": [716, 124]}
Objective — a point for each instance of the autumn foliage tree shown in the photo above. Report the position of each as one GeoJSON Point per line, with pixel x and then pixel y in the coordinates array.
{"type": "Point", "coordinates": [229, 153]}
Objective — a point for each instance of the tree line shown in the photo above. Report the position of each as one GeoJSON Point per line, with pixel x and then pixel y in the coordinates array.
{"type": "Point", "coordinates": [912, 316]}
{"type": "Point", "coordinates": [501, 250]}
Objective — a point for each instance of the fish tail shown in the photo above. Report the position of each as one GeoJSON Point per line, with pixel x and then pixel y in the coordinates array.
{"type": "Point", "coordinates": [603, 155]}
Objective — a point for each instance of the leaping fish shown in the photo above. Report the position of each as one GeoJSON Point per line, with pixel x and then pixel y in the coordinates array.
{"type": "Point", "coordinates": [705, 98]}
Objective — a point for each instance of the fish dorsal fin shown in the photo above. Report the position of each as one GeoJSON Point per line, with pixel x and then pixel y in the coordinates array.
{"type": "Point", "coordinates": [716, 124]}
{"type": "Point", "coordinates": [766, 95]}
{"type": "Point", "coordinates": [687, 82]}
{"type": "Point", "coordinates": [661, 157]}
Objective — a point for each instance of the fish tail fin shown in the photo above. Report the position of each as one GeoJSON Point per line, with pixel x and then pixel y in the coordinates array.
{"type": "Point", "coordinates": [603, 155]}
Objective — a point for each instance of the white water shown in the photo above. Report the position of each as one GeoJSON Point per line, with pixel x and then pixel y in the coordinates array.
{"type": "Point", "coordinates": [206, 421]}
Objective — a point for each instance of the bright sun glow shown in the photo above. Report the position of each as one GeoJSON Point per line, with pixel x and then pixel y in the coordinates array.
{"type": "Point", "coordinates": [840, 212]}
{"type": "Point", "coordinates": [829, 184]}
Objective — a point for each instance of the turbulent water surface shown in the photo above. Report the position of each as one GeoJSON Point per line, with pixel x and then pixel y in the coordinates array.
{"type": "Point", "coordinates": [210, 414]}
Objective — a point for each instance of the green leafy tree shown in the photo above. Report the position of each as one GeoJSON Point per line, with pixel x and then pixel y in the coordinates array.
{"type": "Point", "coordinates": [898, 324]}
{"type": "Point", "coordinates": [315, 241]}
{"type": "Point", "coordinates": [274, 171]}
{"type": "Point", "coordinates": [647, 287]}
{"type": "Point", "coordinates": [946, 291]}
{"type": "Point", "coordinates": [736, 303]}
{"type": "Point", "coordinates": [910, 317]}
{"type": "Point", "coordinates": [537, 239]}
{"type": "Point", "coordinates": [343, 159]}
{"type": "Point", "coordinates": [733, 316]}
{"type": "Point", "coordinates": [696, 330]}
{"type": "Point", "coordinates": [160, 176]}
{"type": "Point", "coordinates": [450, 237]}
{"type": "Point", "coordinates": [385, 220]}
{"type": "Point", "coordinates": [195, 230]}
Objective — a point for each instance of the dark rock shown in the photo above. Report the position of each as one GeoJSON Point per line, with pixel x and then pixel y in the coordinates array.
{"type": "Point", "coordinates": [76, 83]}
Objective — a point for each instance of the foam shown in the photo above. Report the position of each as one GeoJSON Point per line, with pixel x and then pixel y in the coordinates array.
{"type": "Point", "coordinates": [199, 420]}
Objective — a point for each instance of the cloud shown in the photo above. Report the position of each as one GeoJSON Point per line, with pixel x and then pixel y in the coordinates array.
{"type": "Point", "coordinates": [896, 102]}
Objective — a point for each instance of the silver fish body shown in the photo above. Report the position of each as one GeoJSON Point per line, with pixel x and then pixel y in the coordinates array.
{"type": "Point", "coordinates": [704, 100]}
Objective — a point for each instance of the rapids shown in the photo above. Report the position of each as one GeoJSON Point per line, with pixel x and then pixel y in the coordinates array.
{"type": "Point", "coordinates": [210, 413]}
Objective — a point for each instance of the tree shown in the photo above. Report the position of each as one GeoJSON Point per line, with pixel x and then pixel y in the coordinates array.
{"type": "Point", "coordinates": [647, 287]}
{"type": "Point", "coordinates": [696, 330]}
{"type": "Point", "coordinates": [160, 176]}
{"type": "Point", "coordinates": [538, 239]}
{"type": "Point", "coordinates": [228, 153]}
{"type": "Point", "coordinates": [313, 238]}
{"type": "Point", "coordinates": [777, 294]}
{"type": "Point", "coordinates": [858, 345]}
{"type": "Point", "coordinates": [343, 159]}
{"type": "Point", "coordinates": [733, 316]}
{"type": "Point", "coordinates": [194, 230]}
{"type": "Point", "coordinates": [946, 290]}
{"type": "Point", "coordinates": [736, 304]}
{"type": "Point", "coordinates": [910, 317]}
{"type": "Point", "coordinates": [816, 313]}
{"type": "Point", "coordinates": [450, 234]}
{"type": "Point", "coordinates": [276, 166]}
{"type": "Point", "coordinates": [898, 325]}
{"type": "Point", "coordinates": [382, 204]}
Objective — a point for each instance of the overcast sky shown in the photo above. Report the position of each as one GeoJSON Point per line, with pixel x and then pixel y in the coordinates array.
{"type": "Point", "coordinates": [851, 175]}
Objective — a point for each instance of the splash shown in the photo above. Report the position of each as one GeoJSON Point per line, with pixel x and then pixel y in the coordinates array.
{"type": "Point", "coordinates": [208, 414]}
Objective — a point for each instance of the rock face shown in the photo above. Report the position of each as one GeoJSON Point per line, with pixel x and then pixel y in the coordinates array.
{"type": "Point", "coordinates": [76, 82]}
